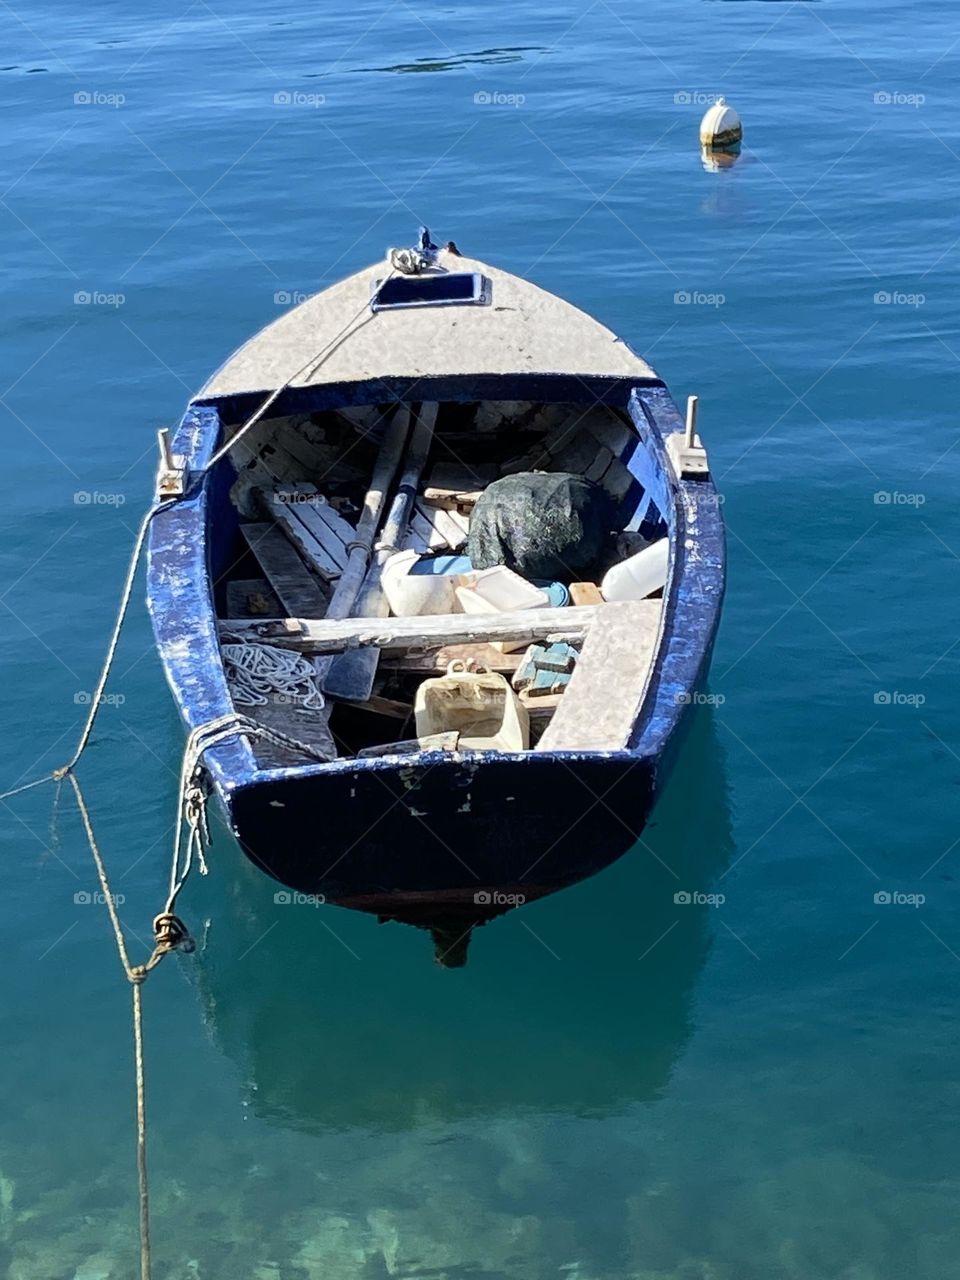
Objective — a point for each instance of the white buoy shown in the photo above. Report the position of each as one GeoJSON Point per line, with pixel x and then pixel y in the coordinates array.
{"type": "Point", "coordinates": [721, 126]}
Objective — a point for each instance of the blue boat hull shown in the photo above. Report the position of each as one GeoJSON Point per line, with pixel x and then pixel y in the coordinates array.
{"type": "Point", "coordinates": [464, 838]}
{"type": "Point", "coordinates": [442, 838]}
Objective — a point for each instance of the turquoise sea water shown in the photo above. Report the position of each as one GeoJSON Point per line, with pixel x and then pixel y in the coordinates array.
{"type": "Point", "coordinates": [618, 1085]}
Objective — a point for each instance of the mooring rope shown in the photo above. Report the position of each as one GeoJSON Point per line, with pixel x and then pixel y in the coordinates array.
{"type": "Point", "coordinates": [97, 698]}
{"type": "Point", "coordinates": [170, 933]}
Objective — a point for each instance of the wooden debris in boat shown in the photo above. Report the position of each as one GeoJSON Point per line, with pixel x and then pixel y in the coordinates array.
{"type": "Point", "coordinates": [385, 707]}
{"type": "Point", "coordinates": [413, 746]}
{"type": "Point", "coordinates": [323, 520]}
{"type": "Point", "coordinates": [585, 593]}
{"type": "Point", "coordinates": [600, 707]}
{"type": "Point", "coordinates": [251, 598]}
{"type": "Point", "coordinates": [454, 485]}
{"type": "Point", "coordinates": [432, 528]}
{"type": "Point", "coordinates": [308, 635]}
{"type": "Point", "coordinates": [544, 670]}
{"type": "Point", "coordinates": [297, 590]}
{"type": "Point", "coordinates": [304, 541]}
{"type": "Point", "coordinates": [432, 660]}
{"type": "Point", "coordinates": [319, 534]}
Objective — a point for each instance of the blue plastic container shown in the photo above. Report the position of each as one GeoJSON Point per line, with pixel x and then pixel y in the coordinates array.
{"type": "Point", "coordinates": [445, 565]}
{"type": "Point", "coordinates": [441, 565]}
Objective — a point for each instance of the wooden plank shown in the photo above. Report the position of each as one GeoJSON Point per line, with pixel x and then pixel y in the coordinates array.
{"type": "Point", "coordinates": [385, 707]}
{"type": "Point", "coordinates": [306, 724]}
{"type": "Point", "coordinates": [321, 518]}
{"type": "Point", "coordinates": [612, 434]}
{"type": "Point", "coordinates": [449, 534]}
{"type": "Point", "coordinates": [308, 635]}
{"type": "Point", "coordinates": [343, 530]}
{"type": "Point", "coordinates": [421, 536]}
{"type": "Point", "coordinates": [457, 484]}
{"type": "Point", "coordinates": [251, 598]}
{"type": "Point", "coordinates": [310, 515]}
{"type": "Point", "coordinates": [598, 467]}
{"type": "Point", "coordinates": [432, 661]}
{"type": "Point", "coordinates": [301, 537]}
{"type": "Point", "coordinates": [585, 593]}
{"type": "Point", "coordinates": [296, 589]}
{"type": "Point", "coordinates": [598, 710]}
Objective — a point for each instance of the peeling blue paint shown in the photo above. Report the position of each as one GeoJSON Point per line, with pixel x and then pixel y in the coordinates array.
{"type": "Point", "coordinates": [341, 828]}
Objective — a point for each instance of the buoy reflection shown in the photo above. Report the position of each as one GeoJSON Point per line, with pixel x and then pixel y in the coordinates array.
{"type": "Point", "coordinates": [715, 159]}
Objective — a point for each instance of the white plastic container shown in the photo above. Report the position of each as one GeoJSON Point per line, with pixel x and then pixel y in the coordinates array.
{"type": "Point", "coordinates": [639, 576]}
{"type": "Point", "coordinates": [499, 590]}
{"type": "Point", "coordinates": [479, 705]}
{"type": "Point", "coordinates": [411, 595]}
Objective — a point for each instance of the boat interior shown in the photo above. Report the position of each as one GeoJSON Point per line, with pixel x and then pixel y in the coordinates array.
{"type": "Point", "coordinates": [354, 621]}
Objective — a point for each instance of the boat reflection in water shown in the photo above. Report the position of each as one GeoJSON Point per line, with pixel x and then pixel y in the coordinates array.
{"type": "Point", "coordinates": [577, 1004]}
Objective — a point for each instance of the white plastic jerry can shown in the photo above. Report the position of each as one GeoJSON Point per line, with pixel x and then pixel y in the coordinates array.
{"type": "Point", "coordinates": [479, 705]}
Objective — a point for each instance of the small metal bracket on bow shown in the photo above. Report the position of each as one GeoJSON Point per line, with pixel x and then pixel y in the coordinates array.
{"type": "Point", "coordinates": [172, 471]}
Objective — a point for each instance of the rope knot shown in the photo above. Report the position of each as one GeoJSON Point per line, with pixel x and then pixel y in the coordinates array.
{"type": "Point", "coordinates": [171, 934]}
{"type": "Point", "coordinates": [194, 805]}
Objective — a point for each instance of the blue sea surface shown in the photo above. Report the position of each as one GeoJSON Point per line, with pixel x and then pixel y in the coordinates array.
{"type": "Point", "coordinates": [733, 1055]}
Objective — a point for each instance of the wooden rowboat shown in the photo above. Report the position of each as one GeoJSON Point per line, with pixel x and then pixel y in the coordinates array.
{"type": "Point", "coordinates": [371, 419]}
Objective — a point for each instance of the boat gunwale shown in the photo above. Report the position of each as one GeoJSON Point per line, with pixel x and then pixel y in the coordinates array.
{"type": "Point", "coordinates": [692, 596]}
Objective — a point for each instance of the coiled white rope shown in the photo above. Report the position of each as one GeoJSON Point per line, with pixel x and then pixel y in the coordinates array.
{"type": "Point", "coordinates": [257, 671]}
{"type": "Point", "coordinates": [410, 262]}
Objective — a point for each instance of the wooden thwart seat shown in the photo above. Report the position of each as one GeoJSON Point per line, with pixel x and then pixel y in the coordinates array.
{"type": "Point", "coordinates": [308, 635]}
{"type": "Point", "coordinates": [599, 708]}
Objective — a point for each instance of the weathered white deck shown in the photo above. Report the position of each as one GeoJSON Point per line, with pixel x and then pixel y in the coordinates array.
{"type": "Point", "coordinates": [523, 329]}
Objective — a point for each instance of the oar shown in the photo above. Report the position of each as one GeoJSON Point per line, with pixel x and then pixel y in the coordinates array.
{"type": "Point", "coordinates": [351, 675]}
{"type": "Point", "coordinates": [350, 581]}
